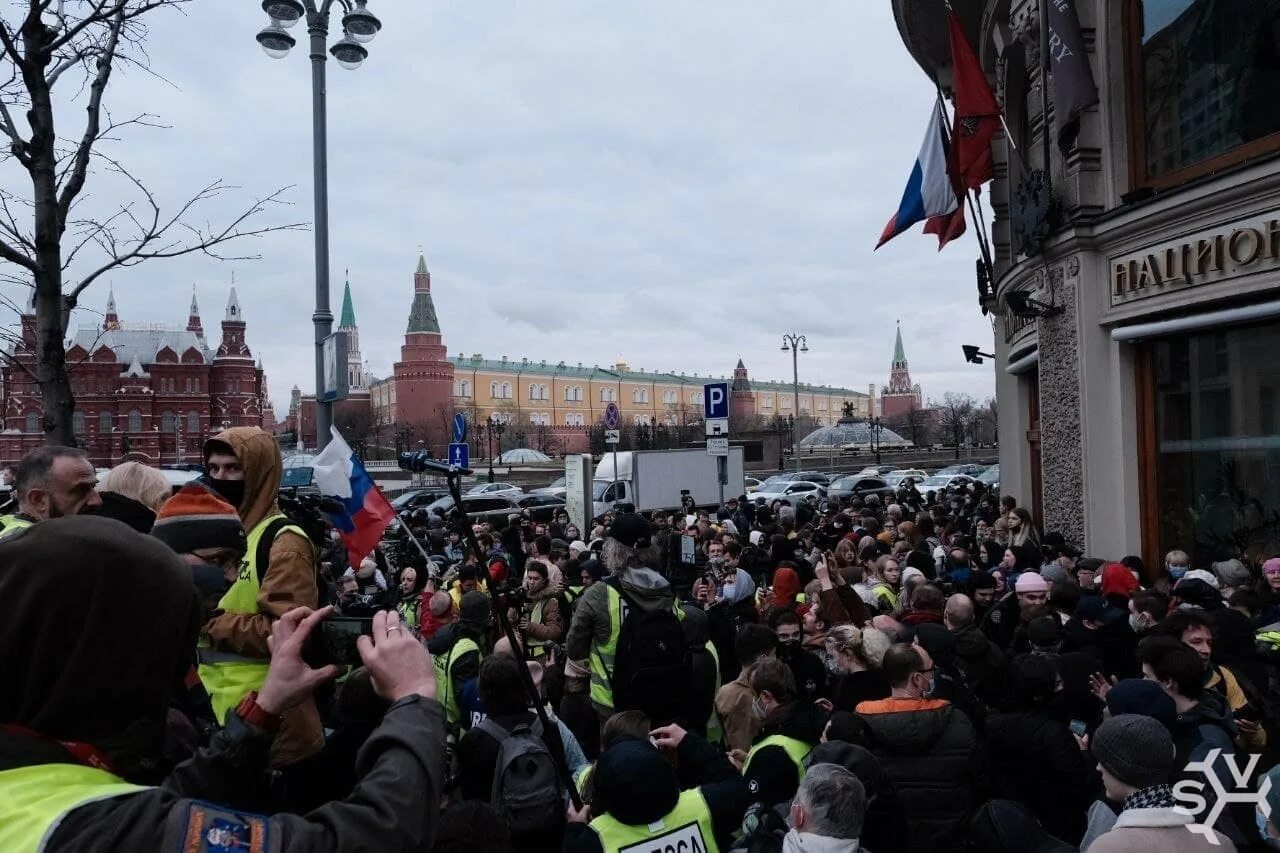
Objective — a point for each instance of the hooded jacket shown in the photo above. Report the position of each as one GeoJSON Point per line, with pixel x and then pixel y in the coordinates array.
{"type": "Point", "coordinates": [637, 786]}
{"type": "Point", "coordinates": [288, 581]}
{"type": "Point", "coordinates": [927, 749]}
{"type": "Point", "coordinates": [981, 663]}
{"type": "Point", "coordinates": [591, 620]}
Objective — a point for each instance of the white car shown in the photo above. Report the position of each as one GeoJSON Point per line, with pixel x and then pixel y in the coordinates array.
{"type": "Point", "coordinates": [490, 490]}
{"type": "Point", "coordinates": [750, 484]}
{"type": "Point", "coordinates": [788, 492]}
{"type": "Point", "coordinates": [555, 490]}
{"type": "Point", "coordinates": [938, 482]}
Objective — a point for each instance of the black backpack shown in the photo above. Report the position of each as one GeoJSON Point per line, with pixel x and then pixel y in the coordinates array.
{"type": "Point", "coordinates": [652, 665]}
{"type": "Point", "coordinates": [526, 789]}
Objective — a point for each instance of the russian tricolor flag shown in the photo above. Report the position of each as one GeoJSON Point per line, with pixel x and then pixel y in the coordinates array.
{"type": "Point", "coordinates": [339, 474]}
{"type": "Point", "coordinates": [929, 192]}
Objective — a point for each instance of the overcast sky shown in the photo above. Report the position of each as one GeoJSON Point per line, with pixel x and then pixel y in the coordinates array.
{"type": "Point", "coordinates": [676, 183]}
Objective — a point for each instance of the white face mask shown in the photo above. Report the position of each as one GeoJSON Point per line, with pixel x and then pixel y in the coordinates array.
{"type": "Point", "coordinates": [1136, 623]}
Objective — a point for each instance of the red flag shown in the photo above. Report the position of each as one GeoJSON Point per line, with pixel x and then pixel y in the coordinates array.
{"type": "Point", "coordinates": [948, 227]}
{"type": "Point", "coordinates": [977, 114]}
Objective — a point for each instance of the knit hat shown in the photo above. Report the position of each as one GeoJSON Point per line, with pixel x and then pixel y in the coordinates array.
{"type": "Point", "coordinates": [474, 608]}
{"type": "Point", "coordinates": [576, 547]}
{"type": "Point", "coordinates": [1030, 582]}
{"type": "Point", "coordinates": [1118, 579]}
{"type": "Point", "coordinates": [1053, 573]}
{"type": "Point", "coordinates": [1136, 749]}
{"type": "Point", "coordinates": [631, 530]}
{"type": "Point", "coordinates": [1200, 574]}
{"type": "Point", "coordinates": [196, 518]}
{"type": "Point", "coordinates": [1140, 696]}
{"type": "Point", "coordinates": [1231, 572]}
{"type": "Point", "coordinates": [910, 572]}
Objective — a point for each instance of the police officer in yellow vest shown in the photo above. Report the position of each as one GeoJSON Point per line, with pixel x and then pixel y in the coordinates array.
{"type": "Point", "coordinates": [244, 467]}
{"type": "Point", "coordinates": [638, 803]}
{"type": "Point", "coordinates": [790, 729]}
{"type": "Point", "coordinates": [82, 723]}
{"type": "Point", "coordinates": [51, 482]}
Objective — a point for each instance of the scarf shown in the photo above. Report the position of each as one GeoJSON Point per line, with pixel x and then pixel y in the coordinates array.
{"type": "Point", "coordinates": [1155, 797]}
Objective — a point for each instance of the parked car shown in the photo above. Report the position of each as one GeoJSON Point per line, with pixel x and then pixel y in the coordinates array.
{"type": "Point", "coordinates": [938, 482]}
{"type": "Point", "coordinates": [969, 469]}
{"type": "Point", "coordinates": [491, 508]}
{"type": "Point", "coordinates": [490, 489]}
{"type": "Point", "coordinates": [415, 498]}
{"type": "Point", "coordinates": [801, 488]}
{"type": "Point", "coordinates": [858, 485]}
{"type": "Point", "coordinates": [556, 489]}
{"type": "Point", "coordinates": [897, 478]}
{"type": "Point", "coordinates": [991, 477]}
{"type": "Point", "coordinates": [751, 484]}
{"type": "Point", "coordinates": [818, 477]}
{"type": "Point", "coordinates": [541, 507]}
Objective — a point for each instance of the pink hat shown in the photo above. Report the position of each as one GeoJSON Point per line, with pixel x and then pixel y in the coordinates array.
{"type": "Point", "coordinates": [1031, 582]}
{"type": "Point", "coordinates": [1272, 565]}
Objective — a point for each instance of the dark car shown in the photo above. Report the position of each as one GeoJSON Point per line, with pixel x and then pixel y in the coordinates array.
{"type": "Point", "coordinates": [541, 507]}
{"type": "Point", "coordinates": [415, 498]}
{"type": "Point", "coordinates": [491, 508]}
{"type": "Point", "coordinates": [812, 476]}
{"type": "Point", "coordinates": [968, 469]}
{"type": "Point", "coordinates": [859, 486]}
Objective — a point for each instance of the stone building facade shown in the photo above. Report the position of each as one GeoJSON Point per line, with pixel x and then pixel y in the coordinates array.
{"type": "Point", "coordinates": [1136, 305]}
{"type": "Point", "coordinates": [147, 392]}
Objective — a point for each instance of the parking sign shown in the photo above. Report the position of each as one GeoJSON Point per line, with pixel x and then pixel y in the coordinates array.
{"type": "Point", "coordinates": [715, 400]}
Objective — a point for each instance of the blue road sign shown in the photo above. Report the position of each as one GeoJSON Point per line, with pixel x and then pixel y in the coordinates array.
{"type": "Point", "coordinates": [612, 416]}
{"type": "Point", "coordinates": [715, 400]}
{"type": "Point", "coordinates": [459, 428]}
{"type": "Point", "coordinates": [460, 454]}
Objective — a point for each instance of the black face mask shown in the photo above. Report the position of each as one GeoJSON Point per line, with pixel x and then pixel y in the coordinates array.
{"type": "Point", "coordinates": [231, 491]}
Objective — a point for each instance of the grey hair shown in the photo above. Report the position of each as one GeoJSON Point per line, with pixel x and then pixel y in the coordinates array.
{"type": "Point", "coordinates": [35, 468]}
{"type": "Point", "coordinates": [834, 802]}
{"type": "Point", "coordinates": [617, 557]}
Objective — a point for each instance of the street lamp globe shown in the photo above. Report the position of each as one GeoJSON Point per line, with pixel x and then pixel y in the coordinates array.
{"type": "Point", "coordinates": [361, 24]}
{"type": "Point", "coordinates": [285, 12]}
{"type": "Point", "coordinates": [804, 347]}
{"type": "Point", "coordinates": [349, 53]}
{"type": "Point", "coordinates": [276, 43]}
{"type": "Point", "coordinates": [786, 348]}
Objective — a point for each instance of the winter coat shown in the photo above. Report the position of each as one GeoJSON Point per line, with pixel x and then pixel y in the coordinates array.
{"type": "Point", "coordinates": [1157, 830]}
{"type": "Point", "coordinates": [771, 770]}
{"type": "Point", "coordinates": [1204, 727]}
{"type": "Point", "coordinates": [855, 688]}
{"type": "Point", "coordinates": [927, 748]}
{"type": "Point", "coordinates": [980, 663]}
{"type": "Point", "coordinates": [1035, 761]}
{"type": "Point", "coordinates": [288, 581]}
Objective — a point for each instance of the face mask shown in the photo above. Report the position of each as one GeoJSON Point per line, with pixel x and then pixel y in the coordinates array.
{"type": "Point", "coordinates": [1176, 572]}
{"type": "Point", "coordinates": [933, 685]}
{"type": "Point", "coordinates": [833, 665]}
{"type": "Point", "coordinates": [729, 590]}
{"type": "Point", "coordinates": [757, 708]}
{"type": "Point", "coordinates": [1136, 623]}
{"type": "Point", "coordinates": [231, 491]}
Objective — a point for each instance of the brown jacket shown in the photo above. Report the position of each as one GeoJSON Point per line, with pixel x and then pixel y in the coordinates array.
{"type": "Point", "coordinates": [735, 707]}
{"type": "Point", "coordinates": [288, 582]}
{"type": "Point", "coordinates": [1157, 830]}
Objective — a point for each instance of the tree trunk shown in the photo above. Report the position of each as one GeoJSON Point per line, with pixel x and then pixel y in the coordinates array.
{"type": "Point", "coordinates": [51, 312]}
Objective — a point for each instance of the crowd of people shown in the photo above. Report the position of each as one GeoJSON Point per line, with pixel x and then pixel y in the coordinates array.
{"type": "Point", "coordinates": [927, 674]}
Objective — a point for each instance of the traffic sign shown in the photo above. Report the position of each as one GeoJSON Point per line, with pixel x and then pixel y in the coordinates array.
{"type": "Point", "coordinates": [717, 426]}
{"type": "Point", "coordinates": [459, 428]}
{"type": "Point", "coordinates": [612, 436]}
{"type": "Point", "coordinates": [715, 400]}
{"type": "Point", "coordinates": [612, 416]}
{"type": "Point", "coordinates": [460, 454]}
{"type": "Point", "coordinates": [718, 446]}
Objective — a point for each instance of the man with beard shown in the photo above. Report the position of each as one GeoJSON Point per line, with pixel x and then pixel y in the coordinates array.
{"type": "Point", "coordinates": [1006, 624]}
{"type": "Point", "coordinates": [51, 482]}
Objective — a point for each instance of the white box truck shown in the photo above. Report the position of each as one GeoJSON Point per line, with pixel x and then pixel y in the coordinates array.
{"type": "Point", "coordinates": [653, 479]}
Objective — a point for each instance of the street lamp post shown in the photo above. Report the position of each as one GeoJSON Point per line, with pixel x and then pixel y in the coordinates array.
{"type": "Point", "coordinates": [795, 344]}
{"type": "Point", "coordinates": [876, 427]}
{"type": "Point", "coordinates": [359, 26]}
{"type": "Point", "coordinates": [488, 432]}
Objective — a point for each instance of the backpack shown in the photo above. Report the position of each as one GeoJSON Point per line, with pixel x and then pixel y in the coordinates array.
{"type": "Point", "coordinates": [526, 790]}
{"type": "Point", "coordinates": [652, 665]}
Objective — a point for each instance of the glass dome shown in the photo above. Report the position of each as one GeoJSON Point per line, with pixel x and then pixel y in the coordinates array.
{"type": "Point", "coordinates": [522, 455]}
{"type": "Point", "coordinates": [851, 432]}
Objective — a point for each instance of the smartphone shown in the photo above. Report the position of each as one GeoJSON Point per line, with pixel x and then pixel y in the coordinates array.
{"type": "Point", "coordinates": [1246, 712]}
{"type": "Point", "coordinates": [1079, 728]}
{"type": "Point", "coordinates": [338, 635]}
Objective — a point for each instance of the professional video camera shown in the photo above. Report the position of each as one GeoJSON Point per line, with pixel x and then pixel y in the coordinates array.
{"type": "Point", "coordinates": [308, 512]}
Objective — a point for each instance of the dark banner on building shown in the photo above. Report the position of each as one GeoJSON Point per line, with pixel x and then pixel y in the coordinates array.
{"type": "Point", "coordinates": [1073, 88]}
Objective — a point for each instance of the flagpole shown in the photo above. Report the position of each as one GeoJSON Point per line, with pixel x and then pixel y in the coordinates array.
{"type": "Point", "coordinates": [980, 227]}
{"type": "Point", "coordinates": [1043, 11]}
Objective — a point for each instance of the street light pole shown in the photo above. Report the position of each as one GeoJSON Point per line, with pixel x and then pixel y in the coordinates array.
{"type": "Point", "coordinates": [359, 26]}
{"type": "Point", "coordinates": [796, 344]}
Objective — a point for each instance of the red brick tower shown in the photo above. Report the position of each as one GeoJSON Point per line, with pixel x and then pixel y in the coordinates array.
{"type": "Point", "coordinates": [900, 396]}
{"type": "Point", "coordinates": [234, 378]}
{"type": "Point", "coordinates": [424, 374]}
{"type": "Point", "coordinates": [742, 403]}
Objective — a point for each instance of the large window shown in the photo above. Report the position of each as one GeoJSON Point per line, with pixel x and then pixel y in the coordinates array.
{"type": "Point", "coordinates": [1214, 459]}
{"type": "Point", "coordinates": [1205, 76]}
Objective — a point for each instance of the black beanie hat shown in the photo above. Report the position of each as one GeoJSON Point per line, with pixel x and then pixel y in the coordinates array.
{"type": "Point", "coordinates": [1135, 749]}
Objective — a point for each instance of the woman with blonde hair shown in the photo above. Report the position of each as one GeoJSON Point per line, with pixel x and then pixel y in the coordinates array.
{"type": "Point", "coordinates": [855, 655]}
{"type": "Point", "coordinates": [888, 573]}
{"type": "Point", "coordinates": [132, 493]}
